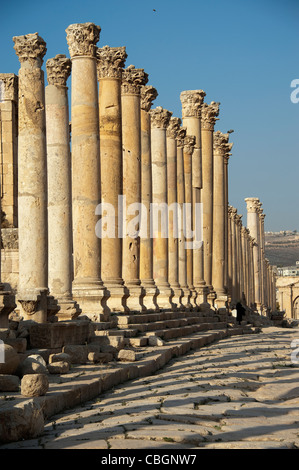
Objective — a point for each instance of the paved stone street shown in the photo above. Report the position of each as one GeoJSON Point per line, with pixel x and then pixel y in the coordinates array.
{"type": "Point", "coordinates": [239, 392]}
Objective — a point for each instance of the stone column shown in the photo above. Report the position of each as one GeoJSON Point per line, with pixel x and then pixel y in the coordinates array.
{"type": "Point", "coordinates": [229, 254]}
{"type": "Point", "coordinates": [221, 148]}
{"type": "Point", "coordinates": [180, 137]}
{"type": "Point", "coordinates": [60, 265]}
{"type": "Point", "coordinates": [189, 143]}
{"type": "Point", "coordinates": [88, 287]}
{"type": "Point", "coordinates": [110, 63]}
{"type": "Point", "coordinates": [32, 185]}
{"type": "Point", "coordinates": [132, 81]}
{"type": "Point", "coordinates": [252, 284]}
{"type": "Point", "coordinates": [262, 253]}
{"type": "Point", "coordinates": [253, 226]}
{"type": "Point", "coordinates": [244, 266]}
{"type": "Point", "coordinates": [148, 95]}
{"type": "Point", "coordinates": [234, 294]}
{"type": "Point", "coordinates": [209, 116]}
{"type": "Point", "coordinates": [192, 101]}
{"type": "Point", "coordinates": [9, 148]}
{"type": "Point", "coordinates": [173, 213]}
{"type": "Point", "coordinates": [159, 121]}
{"type": "Point", "coordinates": [239, 258]}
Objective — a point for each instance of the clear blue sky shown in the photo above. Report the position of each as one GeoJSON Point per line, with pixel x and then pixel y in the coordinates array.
{"type": "Point", "coordinates": [243, 53]}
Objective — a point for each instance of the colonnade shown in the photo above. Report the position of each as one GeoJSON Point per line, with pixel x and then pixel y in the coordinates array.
{"type": "Point", "coordinates": [127, 209]}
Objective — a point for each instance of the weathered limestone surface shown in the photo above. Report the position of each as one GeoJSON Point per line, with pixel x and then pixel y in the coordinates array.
{"type": "Point", "coordinates": [148, 95]}
{"type": "Point", "coordinates": [132, 81]}
{"type": "Point", "coordinates": [111, 61]}
{"type": "Point", "coordinates": [88, 288]}
{"type": "Point", "coordinates": [32, 170]}
{"type": "Point", "coordinates": [159, 121]}
{"type": "Point", "coordinates": [209, 115]}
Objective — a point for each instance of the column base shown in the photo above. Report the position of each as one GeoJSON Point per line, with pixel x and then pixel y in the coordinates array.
{"type": "Point", "coordinates": [164, 298]}
{"type": "Point", "coordinates": [117, 298]}
{"type": "Point", "coordinates": [92, 298]}
{"type": "Point", "coordinates": [202, 294]}
{"type": "Point", "coordinates": [221, 300]}
{"type": "Point", "coordinates": [7, 305]}
{"type": "Point", "coordinates": [68, 310]}
{"type": "Point", "coordinates": [185, 300]}
{"type": "Point", "coordinates": [211, 296]}
{"type": "Point", "coordinates": [150, 296]}
{"type": "Point", "coordinates": [177, 298]}
{"type": "Point", "coordinates": [134, 300]}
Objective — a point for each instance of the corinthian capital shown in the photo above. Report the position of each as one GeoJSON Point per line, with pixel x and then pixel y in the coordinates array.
{"type": "Point", "coordinates": [58, 70]}
{"type": "Point", "coordinates": [148, 95]}
{"type": "Point", "coordinates": [209, 113]}
{"type": "Point", "coordinates": [180, 136]}
{"type": "Point", "coordinates": [133, 79]}
{"type": "Point", "coordinates": [189, 143]}
{"type": "Point", "coordinates": [30, 48]}
{"type": "Point", "coordinates": [8, 87]}
{"type": "Point", "coordinates": [111, 61]}
{"type": "Point", "coordinates": [82, 39]}
{"type": "Point", "coordinates": [253, 204]}
{"type": "Point", "coordinates": [221, 144]}
{"type": "Point", "coordinates": [160, 117]}
{"type": "Point", "coordinates": [192, 101]}
{"type": "Point", "coordinates": [173, 127]}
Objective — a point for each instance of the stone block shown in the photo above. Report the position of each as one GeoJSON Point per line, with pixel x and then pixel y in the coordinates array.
{"type": "Point", "coordinates": [57, 335]}
{"type": "Point", "coordinates": [58, 367]}
{"type": "Point", "coordinates": [78, 353]}
{"type": "Point", "coordinates": [9, 383]}
{"type": "Point", "coordinates": [12, 360]}
{"type": "Point", "coordinates": [34, 385]}
{"type": "Point", "coordinates": [25, 420]}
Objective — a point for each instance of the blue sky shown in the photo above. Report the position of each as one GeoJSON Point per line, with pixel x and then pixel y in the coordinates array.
{"type": "Point", "coordinates": [242, 53]}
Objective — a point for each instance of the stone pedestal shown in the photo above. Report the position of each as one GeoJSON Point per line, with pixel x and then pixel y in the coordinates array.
{"type": "Point", "coordinates": [60, 266]}
{"type": "Point", "coordinates": [208, 120]}
{"type": "Point", "coordinates": [32, 186]}
{"type": "Point", "coordinates": [111, 61]}
{"type": "Point", "coordinates": [88, 289]}
{"type": "Point", "coordinates": [148, 95]}
{"type": "Point", "coordinates": [192, 101]}
{"type": "Point", "coordinates": [159, 121]}
{"type": "Point", "coordinates": [132, 81]}
{"type": "Point", "coordinates": [173, 213]}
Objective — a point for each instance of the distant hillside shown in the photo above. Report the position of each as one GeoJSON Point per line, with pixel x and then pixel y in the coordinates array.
{"type": "Point", "coordinates": [282, 248]}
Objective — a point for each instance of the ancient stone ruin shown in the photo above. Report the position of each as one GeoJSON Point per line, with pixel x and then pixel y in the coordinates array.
{"type": "Point", "coordinates": [82, 281]}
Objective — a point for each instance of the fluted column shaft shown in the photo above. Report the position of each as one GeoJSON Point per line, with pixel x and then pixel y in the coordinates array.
{"type": "Point", "coordinates": [110, 61]}
{"type": "Point", "coordinates": [32, 183]}
{"type": "Point", "coordinates": [87, 285]}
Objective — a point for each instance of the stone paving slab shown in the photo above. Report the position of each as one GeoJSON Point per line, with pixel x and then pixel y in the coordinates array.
{"type": "Point", "coordinates": [240, 392]}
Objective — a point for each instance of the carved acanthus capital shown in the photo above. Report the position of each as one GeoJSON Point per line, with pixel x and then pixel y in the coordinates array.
{"type": "Point", "coordinates": [180, 136]}
{"type": "Point", "coordinates": [30, 48]}
{"type": "Point", "coordinates": [221, 145]}
{"type": "Point", "coordinates": [173, 127]}
{"type": "Point", "coordinates": [238, 219]}
{"type": "Point", "coordinates": [148, 95]}
{"type": "Point", "coordinates": [232, 212]}
{"type": "Point", "coordinates": [209, 113]}
{"type": "Point", "coordinates": [111, 61]}
{"type": "Point", "coordinates": [189, 143]}
{"type": "Point", "coordinates": [192, 101]}
{"type": "Point", "coordinates": [8, 87]}
{"type": "Point", "coordinates": [132, 80]}
{"type": "Point", "coordinates": [253, 204]}
{"type": "Point", "coordinates": [58, 70]}
{"type": "Point", "coordinates": [160, 117]}
{"type": "Point", "coordinates": [82, 39]}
